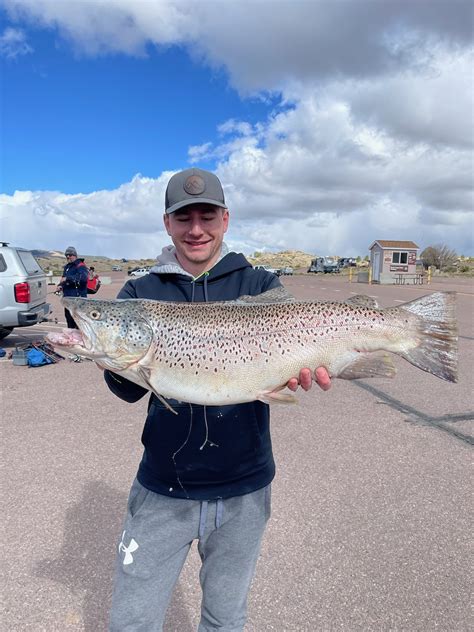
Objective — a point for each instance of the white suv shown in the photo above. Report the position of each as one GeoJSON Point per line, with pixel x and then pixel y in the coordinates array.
{"type": "Point", "coordinates": [23, 289]}
{"type": "Point", "coordinates": [268, 269]}
{"type": "Point", "coordinates": [140, 272]}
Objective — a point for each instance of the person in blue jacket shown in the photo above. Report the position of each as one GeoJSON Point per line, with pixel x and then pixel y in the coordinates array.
{"type": "Point", "coordinates": [73, 281]}
{"type": "Point", "coordinates": [205, 474]}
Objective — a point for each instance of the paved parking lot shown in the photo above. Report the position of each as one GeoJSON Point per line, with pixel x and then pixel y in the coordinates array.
{"type": "Point", "coordinates": [372, 512]}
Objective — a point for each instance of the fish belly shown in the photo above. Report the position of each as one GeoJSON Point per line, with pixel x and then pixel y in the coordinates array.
{"type": "Point", "coordinates": [246, 378]}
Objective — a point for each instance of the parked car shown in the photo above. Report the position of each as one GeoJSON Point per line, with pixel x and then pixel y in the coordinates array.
{"type": "Point", "coordinates": [139, 272]}
{"type": "Point", "coordinates": [347, 262]}
{"type": "Point", "coordinates": [116, 268]}
{"type": "Point", "coordinates": [23, 289]}
{"type": "Point", "coordinates": [268, 269]}
{"type": "Point", "coordinates": [288, 270]}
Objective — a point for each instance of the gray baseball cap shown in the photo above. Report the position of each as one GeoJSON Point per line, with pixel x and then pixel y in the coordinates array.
{"type": "Point", "coordinates": [70, 250]}
{"type": "Point", "coordinates": [193, 186]}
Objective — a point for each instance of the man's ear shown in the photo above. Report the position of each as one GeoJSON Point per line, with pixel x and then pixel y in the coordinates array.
{"type": "Point", "coordinates": [166, 221]}
{"type": "Point", "coordinates": [225, 217]}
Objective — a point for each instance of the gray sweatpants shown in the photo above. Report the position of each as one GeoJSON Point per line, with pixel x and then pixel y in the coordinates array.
{"type": "Point", "coordinates": [156, 538]}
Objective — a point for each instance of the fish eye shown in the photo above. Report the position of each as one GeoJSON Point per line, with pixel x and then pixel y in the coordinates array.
{"type": "Point", "coordinates": [95, 314]}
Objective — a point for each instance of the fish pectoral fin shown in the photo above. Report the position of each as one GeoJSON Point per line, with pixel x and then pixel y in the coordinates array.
{"type": "Point", "coordinates": [267, 397]}
{"type": "Point", "coordinates": [165, 403]}
{"type": "Point", "coordinates": [368, 365]}
{"type": "Point", "coordinates": [144, 373]}
{"type": "Point", "coordinates": [361, 300]}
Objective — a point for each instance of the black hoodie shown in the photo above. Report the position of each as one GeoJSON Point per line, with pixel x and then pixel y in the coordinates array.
{"type": "Point", "coordinates": [204, 452]}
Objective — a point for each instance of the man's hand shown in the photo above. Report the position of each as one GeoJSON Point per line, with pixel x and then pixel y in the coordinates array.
{"type": "Point", "coordinates": [305, 379]}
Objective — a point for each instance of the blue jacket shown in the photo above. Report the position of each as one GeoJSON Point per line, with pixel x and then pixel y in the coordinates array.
{"type": "Point", "coordinates": [76, 275]}
{"type": "Point", "coordinates": [211, 452]}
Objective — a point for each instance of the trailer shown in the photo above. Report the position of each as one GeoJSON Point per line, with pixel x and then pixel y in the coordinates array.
{"type": "Point", "coordinates": [324, 264]}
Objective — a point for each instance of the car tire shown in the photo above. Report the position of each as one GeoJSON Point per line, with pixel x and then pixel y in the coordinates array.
{"type": "Point", "coordinates": [5, 331]}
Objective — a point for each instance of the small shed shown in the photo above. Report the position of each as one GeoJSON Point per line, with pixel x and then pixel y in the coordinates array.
{"type": "Point", "coordinates": [394, 262]}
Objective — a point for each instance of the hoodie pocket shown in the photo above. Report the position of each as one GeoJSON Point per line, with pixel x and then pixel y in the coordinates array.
{"type": "Point", "coordinates": [137, 497]}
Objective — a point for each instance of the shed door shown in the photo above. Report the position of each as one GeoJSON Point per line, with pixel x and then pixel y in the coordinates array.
{"type": "Point", "coordinates": [376, 266]}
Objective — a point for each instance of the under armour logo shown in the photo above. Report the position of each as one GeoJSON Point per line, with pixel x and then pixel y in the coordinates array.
{"type": "Point", "coordinates": [128, 550]}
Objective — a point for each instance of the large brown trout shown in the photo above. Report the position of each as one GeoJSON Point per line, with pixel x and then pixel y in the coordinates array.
{"type": "Point", "coordinates": [239, 351]}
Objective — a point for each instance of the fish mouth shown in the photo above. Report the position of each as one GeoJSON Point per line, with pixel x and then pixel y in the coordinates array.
{"type": "Point", "coordinates": [73, 340]}
{"type": "Point", "coordinates": [79, 341]}
{"type": "Point", "coordinates": [67, 338]}
{"type": "Point", "coordinates": [86, 333]}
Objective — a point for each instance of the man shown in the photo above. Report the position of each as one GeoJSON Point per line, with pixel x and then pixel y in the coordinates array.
{"type": "Point", "coordinates": [74, 280]}
{"type": "Point", "coordinates": [206, 473]}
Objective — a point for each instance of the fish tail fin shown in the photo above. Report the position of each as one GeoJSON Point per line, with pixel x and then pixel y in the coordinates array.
{"type": "Point", "coordinates": [437, 352]}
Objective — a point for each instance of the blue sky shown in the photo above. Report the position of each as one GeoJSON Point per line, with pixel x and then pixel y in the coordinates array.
{"type": "Point", "coordinates": [77, 124]}
{"type": "Point", "coordinates": [330, 124]}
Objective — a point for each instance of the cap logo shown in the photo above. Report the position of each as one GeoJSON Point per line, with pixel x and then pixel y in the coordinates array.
{"type": "Point", "coordinates": [194, 185]}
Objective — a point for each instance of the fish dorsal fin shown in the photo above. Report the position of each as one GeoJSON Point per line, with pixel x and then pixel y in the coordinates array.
{"type": "Point", "coordinates": [361, 300]}
{"type": "Point", "coordinates": [275, 295]}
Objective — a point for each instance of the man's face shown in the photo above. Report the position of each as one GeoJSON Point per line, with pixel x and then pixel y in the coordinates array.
{"type": "Point", "coordinates": [70, 258]}
{"type": "Point", "coordinates": [197, 232]}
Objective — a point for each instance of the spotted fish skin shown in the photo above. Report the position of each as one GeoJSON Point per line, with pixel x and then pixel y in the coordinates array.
{"type": "Point", "coordinates": [240, 351]}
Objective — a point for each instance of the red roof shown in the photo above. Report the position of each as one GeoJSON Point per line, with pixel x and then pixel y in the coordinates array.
{"type": "Point", "coordinates": [398, 245]}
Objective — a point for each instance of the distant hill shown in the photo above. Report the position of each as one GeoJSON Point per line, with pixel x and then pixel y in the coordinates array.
{"type": "Point", "coordinates": [293, 258]}
{"type": "Point", "coordinates": [54, 260]}
{"type": "Point", "coordinates": [46, 253]}
{"type": "Point", "coordinates": [300, 261]}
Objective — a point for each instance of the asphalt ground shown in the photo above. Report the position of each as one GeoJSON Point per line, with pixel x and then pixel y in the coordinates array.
{"type": "Point", "coordinates": [372, 510]}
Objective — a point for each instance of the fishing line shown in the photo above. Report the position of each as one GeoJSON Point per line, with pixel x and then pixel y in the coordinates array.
{"type": "Point", "coordinates": [181, 447]}
{"type": "Point", "coordinates": [206, 440]}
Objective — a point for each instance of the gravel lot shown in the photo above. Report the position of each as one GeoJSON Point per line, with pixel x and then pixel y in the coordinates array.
{"type": "Point", "coordinates": [372, 511]}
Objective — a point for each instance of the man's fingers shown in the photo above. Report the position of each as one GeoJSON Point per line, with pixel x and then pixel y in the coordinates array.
{"type": "Point", "coordinates": [305, 379]}
{"type": "Point", "coordinates": [292, 384]}
{"type": "Point", "coordinates": [322, 378]}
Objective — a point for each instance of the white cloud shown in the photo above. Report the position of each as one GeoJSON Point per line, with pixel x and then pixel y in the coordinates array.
{"type": "Point", "coordinates": [432, 106]}
{"type": "Point", "coordinates": [199, 152]}
{"type": "Point", "coordinates": [264, 44]}
{"type": "Point", "coordinates": [123, 222]}
{"type": "Point", "coordinates": [13, 43]}
{"type": "Point", "coordinates": [372, 141]}
{"type": "Point", "coordinates": [346, 175]}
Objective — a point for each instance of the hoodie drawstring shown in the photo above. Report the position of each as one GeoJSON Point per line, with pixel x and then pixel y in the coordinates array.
{"type": "Point", "coordinates": [203, 516]}
{"type": "Point", "coordinates": [202, 519]}
{"type": "Point", "coordinates": [219, 512]}
{"type": "Point", "coordinates": [193, 283]}
{"type": "Point", "coordinates": [206, 298]}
